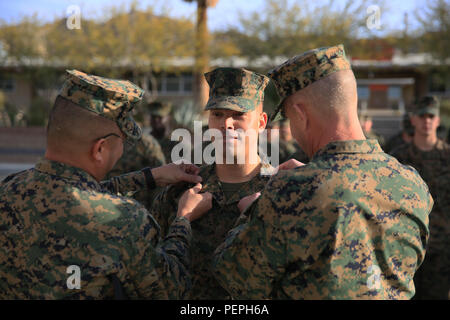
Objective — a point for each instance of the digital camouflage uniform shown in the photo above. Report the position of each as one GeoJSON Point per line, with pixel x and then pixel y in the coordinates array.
{"type": "Point", "coordinates": [432, 279]}
{"type": "Point", "coordinates": [210, 230]}
{"type": "Point", "coordinates": [55, 216]}
{"type": "Point", "coordinates": [145, 152]}
{"type": "Point", "coordinates": [163, 109]}
{"type": "Point", "coordinates": [373, 135]}
{"type": "Point", "coordinates": [350, 224]}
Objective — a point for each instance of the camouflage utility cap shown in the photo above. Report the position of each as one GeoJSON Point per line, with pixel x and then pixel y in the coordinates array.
{"type": "Point", "coordinates": [299, 72]}
{"type": "Point", "coordinates": [159, 108]}
{"type": "Point", "coordinates": [427, 105]}
{"type": "Point", "coordinates": [235, 89]}
{"type": "Point", "coordinates": [110, 98]}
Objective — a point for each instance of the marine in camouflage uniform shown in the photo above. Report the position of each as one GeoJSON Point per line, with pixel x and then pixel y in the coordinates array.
{"type": "Point", "coordinates": [230, 89]}
{"type": "Point", "coordinates": [56, 215]}
{"type": "Point", "coordinates": [159, 111]}
{"type": "Point", "coordinates": [350, 224]}
{"type": "Point", "coordinates": [401, 138]}
{"type": "Point", "coordinates": [432, 279]}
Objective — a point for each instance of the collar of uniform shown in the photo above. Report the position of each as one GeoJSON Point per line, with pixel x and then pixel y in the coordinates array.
{"type": "Point", "coordinates": [350, 146]}
{"type": "Point", "coordinates": [211, 182]}
{"type": "Point", "coordinates": [67, 172]}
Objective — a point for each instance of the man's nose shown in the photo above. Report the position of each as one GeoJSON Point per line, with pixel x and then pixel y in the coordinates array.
{"type": "Point", "coordinates": [228, 123]}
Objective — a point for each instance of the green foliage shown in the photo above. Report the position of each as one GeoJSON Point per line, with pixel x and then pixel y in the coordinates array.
{"type": "Point", "coordinates": [38, 113]}
{"type": "Point", "coordinates": [186, 114]}
{"type": "Point", "coordinates": [434, 22]}
{"type": "Point", "coordinates": [285, 28]}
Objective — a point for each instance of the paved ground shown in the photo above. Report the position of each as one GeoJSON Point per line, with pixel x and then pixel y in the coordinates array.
{"type": "Point", "coordinates": [8, 168]}
{"type": "Point", "coordinates": [20, 149]}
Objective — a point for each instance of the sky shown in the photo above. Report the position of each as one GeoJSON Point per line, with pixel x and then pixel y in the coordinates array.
{"type": "Point", "coordinates": [224, 14]}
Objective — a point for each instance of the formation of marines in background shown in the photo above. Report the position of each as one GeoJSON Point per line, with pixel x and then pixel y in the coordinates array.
{"type": "Point", "coordinates": [349, 221]}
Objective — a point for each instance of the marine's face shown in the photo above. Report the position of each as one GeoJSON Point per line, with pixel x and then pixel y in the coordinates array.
{"type": "Point", "coordinates": [157, 122]}
{"type": "Point", "coordinates": [425, 124]}
{"type": "Point", "coordinates": [234, 124]}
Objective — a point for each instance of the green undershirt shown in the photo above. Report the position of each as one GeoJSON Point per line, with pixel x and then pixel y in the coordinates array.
{"type": "Point", "coordinates": [229, 189]}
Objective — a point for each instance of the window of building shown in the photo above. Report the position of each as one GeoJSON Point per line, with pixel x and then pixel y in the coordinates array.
{"type": "Point", "coordinates": [6, 84]}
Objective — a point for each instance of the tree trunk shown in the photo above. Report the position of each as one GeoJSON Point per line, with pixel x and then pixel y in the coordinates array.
{"type": "Point", "coordinates": [201, 88]}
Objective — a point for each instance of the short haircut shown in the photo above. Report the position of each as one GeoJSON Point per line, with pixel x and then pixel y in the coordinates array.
{"type": "Point", "coordinates": [333, 95]}
{"type": "Point", "coordinates": [72, 127]}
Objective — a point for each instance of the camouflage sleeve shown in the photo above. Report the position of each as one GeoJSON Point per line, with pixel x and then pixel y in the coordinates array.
{"type": "Point", "coordinates": [252, 256]}
{"type": "Point", "coordinates": [126, 183]}
{"type": "Point", "coordinates": [165, 206]}
{"type": "Point", "coordinates": [159, 269]}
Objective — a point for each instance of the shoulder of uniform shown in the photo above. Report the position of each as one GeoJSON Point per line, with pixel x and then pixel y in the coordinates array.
{"type": "Point", "coordinates": [148, 139]}
{"type": "Point", "coordinates": [442, 145]}
{"type": "Point", "coordinates": [19, 175]}
{"type": "Point", "coordinates": [299, 175]}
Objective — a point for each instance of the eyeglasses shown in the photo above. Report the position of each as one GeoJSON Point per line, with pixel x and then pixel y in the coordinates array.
{"type": "Point", "coordinates": [125, 141]}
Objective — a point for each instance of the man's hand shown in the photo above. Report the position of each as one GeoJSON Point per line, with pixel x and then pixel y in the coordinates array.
{"type": "Point", "coordinates": [247, 201]}
{"type": "Point", "coordinates": [172, 173]}
{"type": "Point", "coordinates": [192, 204]}
{"type": "Point", "coordinates": [290, 164]}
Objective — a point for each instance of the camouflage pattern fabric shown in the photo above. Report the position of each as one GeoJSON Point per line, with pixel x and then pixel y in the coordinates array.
{"type": "Point", "coordinates": [235, 89]}
{"type": "Point", "coordinates": [350, 224]}
{"type": "Point", "coordinates": [109, 98]}
{"type": "Point", "coordinates": [301, 71]}
{"type": "Point", "coordinates": [432, 279]}
{"type": "Point", "coordinates": [146, 152]}
{"type": "Point", "coordinates": [55, 216]}
{"type": "Point", "coordinates": [374, 135]}
{"type": "Point", "coordinates": [209, 230]}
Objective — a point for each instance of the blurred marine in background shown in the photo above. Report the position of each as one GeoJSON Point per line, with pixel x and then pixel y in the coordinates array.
{"type": "Point", "coordinates": [430, 156]}
{"type": "Point", "coordinates": [159, 113]}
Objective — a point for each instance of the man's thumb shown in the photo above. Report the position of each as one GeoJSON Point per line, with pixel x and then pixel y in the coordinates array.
{"type": "Point", "coordinates": [197, 188]}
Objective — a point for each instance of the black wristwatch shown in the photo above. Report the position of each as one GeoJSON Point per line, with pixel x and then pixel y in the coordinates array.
{"type": "Point", "coordinates": [151, 183]}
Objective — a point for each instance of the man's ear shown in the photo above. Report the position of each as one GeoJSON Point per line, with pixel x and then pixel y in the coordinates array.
{"type": "Point", "coordinates": [97, 151]}
{"type": "Point", "coordinates": [299, 113]}
{"type": "Point", "coordinates": [262, 121]}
